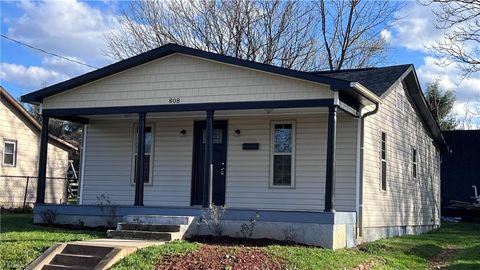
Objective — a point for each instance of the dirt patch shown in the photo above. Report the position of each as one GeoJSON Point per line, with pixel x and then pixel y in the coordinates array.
{"type": "Point", "coordinates": [364, 266]}
{"type": "Point", "coordinates": [442, 260]}
{"type": "Point", "coordinates": [216, 257]}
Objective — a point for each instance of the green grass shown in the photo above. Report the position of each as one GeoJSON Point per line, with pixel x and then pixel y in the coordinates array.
{"type": "Point", "coordinates": [21, 241]}
{"type": "Point", "coordinates": [407, 252]}
{"type": "Point", "coordinates": [146, 258]}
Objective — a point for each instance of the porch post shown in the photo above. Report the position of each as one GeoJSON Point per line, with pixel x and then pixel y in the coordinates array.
{"type": "Point", "coordinates": [42, 163]}
{"type": "Point", "coordinates": [330, 170]}
{"type": "Point", "coordinates": [139, 173]}
{"type": "Point", "coordinates": [208, 166]}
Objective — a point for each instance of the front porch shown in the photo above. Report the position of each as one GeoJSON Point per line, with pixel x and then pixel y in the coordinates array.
{"type": "Point", "coordinates": [326, 229]}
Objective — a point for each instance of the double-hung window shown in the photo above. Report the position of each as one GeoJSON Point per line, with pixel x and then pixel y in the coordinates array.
{"type": "Point", "coordinates": [414, 162]}
{"type": "Point", "coordinates": [9, 153]}
{"type": "Point", "coordinates": [383, 161]}
{"type": "Point", "coordinates": [282, 164]}
{"type": "Point", "coordinates": [148, 165]}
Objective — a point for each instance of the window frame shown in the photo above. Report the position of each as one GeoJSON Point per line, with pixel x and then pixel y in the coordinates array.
{"type": "Point", "coordinates": [400, 102]}
{"type": "Point", "coordinates": [15, 150]}
{"type": "Point", "coordinates": [292, 154]}
{"type": "Point", "coordinates": [414, 157]}
{"type": "Point", "coordinates": [383, 183]}
{"type": "Point", "coordinates": [151, 154]}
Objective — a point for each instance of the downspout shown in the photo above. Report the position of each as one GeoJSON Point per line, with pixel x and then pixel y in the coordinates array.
{"type": "Point", "coordinates": [360, 184]}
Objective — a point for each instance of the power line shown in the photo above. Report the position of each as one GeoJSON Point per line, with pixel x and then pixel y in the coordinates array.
{"type": "Point", "coordinates": [53, 54]}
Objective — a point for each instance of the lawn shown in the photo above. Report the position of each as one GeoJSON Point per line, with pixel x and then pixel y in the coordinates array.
{"type": "Point", "coordinates": [454, 246]}
{"type": "Point", "coordinates": [22, 242]}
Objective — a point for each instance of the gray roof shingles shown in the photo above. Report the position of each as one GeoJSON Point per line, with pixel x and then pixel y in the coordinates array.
{"type": "Point", "coordinates": [377, 79]}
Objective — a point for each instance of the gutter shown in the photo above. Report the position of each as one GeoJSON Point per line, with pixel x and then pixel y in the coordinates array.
{"type": "Point", "coordinates": [362, 90]}
{"type": "Point", "coordinates": [360, 182]}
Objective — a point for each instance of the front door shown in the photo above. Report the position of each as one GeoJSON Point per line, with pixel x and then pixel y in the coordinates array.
{"type": "Point", "coordinates": [219, 162]}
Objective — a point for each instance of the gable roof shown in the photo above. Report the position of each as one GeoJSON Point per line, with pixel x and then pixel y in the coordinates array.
{"type": "Point", "coordinates": [376, 79]}
{"type": "Point", "coordinates": [11, 100]}
{"type": "Point", "coordinates": [168, 49]}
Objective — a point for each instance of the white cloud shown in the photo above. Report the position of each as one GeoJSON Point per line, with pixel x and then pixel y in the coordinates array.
{"type": "Point", "coordinates": [32, 77]}
{"type": "Point", "coordinates": [451, 78]}
{"type": "Point", "coordinates": [416, 29]}
{"type": "Point", "coordinates": [70, 28]}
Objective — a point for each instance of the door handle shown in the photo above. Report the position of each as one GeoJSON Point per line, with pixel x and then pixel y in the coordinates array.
{"type": "Point", "coordinates": [222, 170]}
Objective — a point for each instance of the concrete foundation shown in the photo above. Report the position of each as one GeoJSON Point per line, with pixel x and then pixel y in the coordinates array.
{"type": "Point", "coordinates": [328, 230]}
{"type": "Point", "coordinates": [375, 233]}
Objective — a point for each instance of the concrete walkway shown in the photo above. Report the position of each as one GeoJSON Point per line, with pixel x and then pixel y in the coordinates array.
{"type": "Point", "coordinates": [97, 254]}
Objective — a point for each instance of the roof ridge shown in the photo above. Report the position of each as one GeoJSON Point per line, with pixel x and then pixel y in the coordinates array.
{"type": "Point", "coordinates": [356, 69]}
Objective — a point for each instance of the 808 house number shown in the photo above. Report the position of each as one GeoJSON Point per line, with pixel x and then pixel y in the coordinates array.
{"type": "Point", "coordinates": [174, 100]}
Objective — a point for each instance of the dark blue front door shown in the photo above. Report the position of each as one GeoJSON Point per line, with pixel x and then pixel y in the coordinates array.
{"type": "Point", "coordinates": [220, 129]}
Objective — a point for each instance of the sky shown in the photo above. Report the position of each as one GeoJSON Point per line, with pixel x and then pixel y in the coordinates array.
{"type": "Point", "coordinates": [76, 29]}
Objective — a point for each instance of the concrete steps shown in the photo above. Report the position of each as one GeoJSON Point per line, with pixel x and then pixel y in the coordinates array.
{"type": "Point", "coordinates": [152, 227]}
{"type": "Point", "coordinates": [79, 257]}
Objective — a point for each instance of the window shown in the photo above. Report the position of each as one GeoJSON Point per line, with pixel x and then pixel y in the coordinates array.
{"type": "Point", "coordinates": [283, 154]}
{"type": "Point", "coordinates": [383, 163]}
{"type": "Point", "coordinates": [9, 153]}
{"type": "Point", "coordinates": [149, 133]}
{"type": "Point", "coordinates": [399, 103]}
{"type": "Point", "coordinates": [414, 162]}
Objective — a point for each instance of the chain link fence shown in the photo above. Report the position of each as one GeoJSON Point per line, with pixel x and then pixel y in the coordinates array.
{"type": "Point", "coordinates": [20, 192]}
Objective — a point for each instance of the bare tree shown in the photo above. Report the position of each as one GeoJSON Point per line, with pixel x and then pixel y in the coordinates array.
{"type": "Point", "coordinates": [283, 33]}
{"type": "Point", "coordinates": [461, 42]}
{"type": "Point", "coordinates": [273, 32]}
{"type": "Point", "coordinates": [351, 31]}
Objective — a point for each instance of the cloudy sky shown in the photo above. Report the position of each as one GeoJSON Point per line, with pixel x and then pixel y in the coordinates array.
{"type": "Point", "coordinates": [76, 29]}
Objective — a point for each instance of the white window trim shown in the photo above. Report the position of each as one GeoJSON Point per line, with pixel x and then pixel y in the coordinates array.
{"type": "Point", "coordinates": [382, 160]}
{"type": "Point", "coordinates": [414, 163]}
{"type": "Point", "coordinates": [14, 142]}
{"type": "Point", "coordinates": [399, 101]}
{"type": "Point", "coordinates": [150, 174]}
{"type": "Point", "coordinates": [293, 154]}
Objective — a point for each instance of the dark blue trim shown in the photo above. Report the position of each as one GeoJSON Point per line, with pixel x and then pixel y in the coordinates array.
{"type": "Point", "coordinates": [140, 169]}
{"type": "Point", "coordinates": [192, 107]}
{"type": "Point", "coordinates": [230, 213]}
{"type": "Point", "coordinates": [42, 162]}
{"type": "Point", "coordinates": [330, 170]}
{"type": "Point", "coordinates": [166, 50]}
{"type": "Point", "coordinates": [75, 119]}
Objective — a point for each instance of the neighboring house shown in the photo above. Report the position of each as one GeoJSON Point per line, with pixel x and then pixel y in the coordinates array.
{"type": "Point", "coordinates": [327, 158]}
{"type": "Point", "coordinates": [20, 138]}
{"type": "Point", "coordinates": [461, 166]}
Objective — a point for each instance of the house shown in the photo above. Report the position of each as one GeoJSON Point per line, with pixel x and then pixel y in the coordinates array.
{"type": "Point", "coordinates": [20, 139]}
{"type": "Point", "coordinates": [460, 170]}
{"type": "Point", "coordinates": [327, 158]}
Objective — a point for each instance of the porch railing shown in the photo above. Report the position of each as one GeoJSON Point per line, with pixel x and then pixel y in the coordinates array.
{"type": "Point", "coordinates": [20, 192]}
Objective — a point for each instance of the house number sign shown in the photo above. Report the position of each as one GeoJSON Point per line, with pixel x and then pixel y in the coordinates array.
{"type": "Point", "coordinates": [174, 100]}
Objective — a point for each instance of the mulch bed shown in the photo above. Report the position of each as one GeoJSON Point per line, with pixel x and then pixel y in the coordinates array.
{"type": "Point", "coordinates": [248, 242]}
{"type": "Point", "coordinates": [221, 257]}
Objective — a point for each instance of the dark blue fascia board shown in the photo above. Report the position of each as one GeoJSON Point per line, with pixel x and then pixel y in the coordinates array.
{"type": "Point", "coordinates": [303, 103]}
{"type": "Point", "coordinates": [165, 50]}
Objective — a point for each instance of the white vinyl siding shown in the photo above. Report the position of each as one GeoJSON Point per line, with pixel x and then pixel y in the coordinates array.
{"type": "Point", "coordinates": [405, 202]}
{"type": "Point", "coordinates": [15, 127]}
{"type": "Point", "coordinates": [185, 79]}
{"type": "Point", "coordinates": [108, 157]}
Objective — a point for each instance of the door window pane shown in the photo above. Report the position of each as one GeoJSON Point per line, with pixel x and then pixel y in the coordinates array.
{"type": "Point", "coordinates": [217, 136]}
